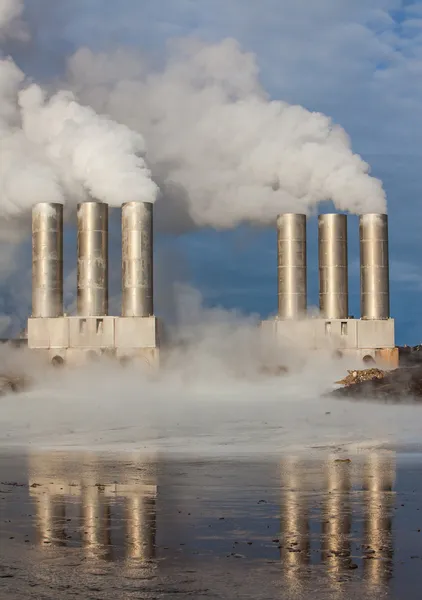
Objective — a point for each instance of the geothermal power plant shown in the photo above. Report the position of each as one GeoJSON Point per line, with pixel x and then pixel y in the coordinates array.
{"type": "Point", "coordinates": [371, 337]}
{"type": "Point", "coordinates": [92, 331]}
{"type": "Point", "coordinates": [136, 331]}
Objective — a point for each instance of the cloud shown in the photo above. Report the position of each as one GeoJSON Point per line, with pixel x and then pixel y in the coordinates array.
{"type": "Point", "coordinates": [11, 24]}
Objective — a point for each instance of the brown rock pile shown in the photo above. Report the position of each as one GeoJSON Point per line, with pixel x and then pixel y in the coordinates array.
{"type": "Point", "coordinates": [404, 383]}
{"type": "Point", "coordinates": [354, 377]}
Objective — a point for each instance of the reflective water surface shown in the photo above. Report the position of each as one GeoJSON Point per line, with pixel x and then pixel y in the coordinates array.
{"type": "Point", "coordinates": [101, 526]}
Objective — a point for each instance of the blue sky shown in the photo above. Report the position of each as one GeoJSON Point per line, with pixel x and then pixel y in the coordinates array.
{"type": "Point", "coordinates": [358, 61]}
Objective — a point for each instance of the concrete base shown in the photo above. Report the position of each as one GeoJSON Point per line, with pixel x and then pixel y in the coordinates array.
{"type": "Point", "coordinates": [356, 338]}
{"type": "Point", "coordinates": [78, 339]}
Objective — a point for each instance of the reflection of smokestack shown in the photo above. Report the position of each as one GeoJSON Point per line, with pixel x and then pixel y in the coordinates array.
{"type": "Point", "coordinates": [294, 520]}
{"type": "Point", "coordinates": [374, 275]}
{"type": "Point", "coordinates": [333, 273]}
{"type": "Point", "coordinates": [137, 260]}
{"type": "Point", "coordinates": [47, 260]}
{"type": "Point", "coordinates": [337, 521]}
{"type": "Point", "coordinates": [141, 527]}
{"type": "Point", "coordinates": [92, 259]}
{"type": "Point", "coordinates": [291, 234]}
{"type": "Point", "coordinates": [51, 517]}
{"type": "Point", "coordinates": [379, 475]}
{"type": "Point", "coordinates": [95, 523]}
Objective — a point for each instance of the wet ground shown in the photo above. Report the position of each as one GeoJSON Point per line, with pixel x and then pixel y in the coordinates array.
{"type": "Point", "coordinates": [106, 526]}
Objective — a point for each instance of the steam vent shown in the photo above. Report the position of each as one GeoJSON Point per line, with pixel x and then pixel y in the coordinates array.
{"type": "Point", "coordinates": [369, 338]}
{"type": "Point", "coordinates": [93, 331]}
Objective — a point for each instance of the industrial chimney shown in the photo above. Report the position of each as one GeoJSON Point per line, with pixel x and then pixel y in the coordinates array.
{"type": "Point", "coordinates": [137, 259]}
{"type": "Point", "coordinates": [292, 285]}
{"type": "Point", "coordinates": [333, 271]}
{"type": "Point", "coordinates": [374, 268]}
{"type": "Point", "coordinates": [47, 260]}
{"type": "Point", "coordinates": [92, 259]}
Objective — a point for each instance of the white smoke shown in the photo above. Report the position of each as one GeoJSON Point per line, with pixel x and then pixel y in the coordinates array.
{"type": "Point", "coordinates": [11, 24]}
{"type": "Point", "coordinates": [104, 157]}
{"type": "Point", "coordinates": [53, 149]}
{"type": "Point", "coordinates": [216, 139]}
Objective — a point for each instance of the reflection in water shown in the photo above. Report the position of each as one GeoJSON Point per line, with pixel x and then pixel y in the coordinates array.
{"type": "Point", "coordinates": [116, 504]}
{"type": "Point", "coordinates": [84, 485]}
{"type": "Point", "coordinates": [51, 517]}
{"type": "Point", "coordinates": [141, 526]}
{"type": "Point", "coordinates": [96, 521]}
{"type": "Point", "coordinates": [378, 482]}
{"type": "Point", "coordinates": [295, 547]}
{"type": "Point", "coordinates": [339, 508]}
{"type": "Point", "coordinates": [337, 521]}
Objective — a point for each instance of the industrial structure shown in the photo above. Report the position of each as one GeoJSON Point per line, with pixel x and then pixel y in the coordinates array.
{"type": "Point", "coordinates": [92, 332]}
{"type": "Point", "coordinates": [136, 332]}
{"type": "Point", "coordinates": [371, 337]}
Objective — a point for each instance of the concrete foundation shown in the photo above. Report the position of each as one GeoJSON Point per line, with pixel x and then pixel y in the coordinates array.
{"type": "Point", "coordinates": [356, 338]}
{"type": "Point", "coordinates": [78, 339]}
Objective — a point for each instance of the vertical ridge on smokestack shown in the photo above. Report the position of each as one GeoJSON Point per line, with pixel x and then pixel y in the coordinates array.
{"type": "Point", "coordinates": [292, 285]}
{"type": "Point", "coordinates": [92, 259]}
{"type": "Point", "coordinates": [333, 270]}
{"type": "Point", "coordinates": [137, 259]}
{"type": "Point", "coordinates": [47, 260]}
{"type": "Point", "coordinates": [374, 267]}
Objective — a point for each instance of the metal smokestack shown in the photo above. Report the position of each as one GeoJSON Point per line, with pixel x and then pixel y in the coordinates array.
{"type": "Point", "coordinates": [47, 260]}
{"type": "Point", "coordinates": [374, 268]}
{"type": "Point", "coordinates": [92, 259]}
{"type": "Point", "coordinates": [333, 271]}
{"type": "Point", "coordinates": [292, 288]}
{"type": "Point", "coordinates": [137, 259]}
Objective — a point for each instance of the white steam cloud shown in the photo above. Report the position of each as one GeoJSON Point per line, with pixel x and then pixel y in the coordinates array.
{"type": "Point", "coordinates": [53, 149]}
{"type": "Point", "coordinates": [104, 157]}
{"type": "Point", "coordinates": [218, 143]}
{"type": "Point", "coordinates": [11, 24]}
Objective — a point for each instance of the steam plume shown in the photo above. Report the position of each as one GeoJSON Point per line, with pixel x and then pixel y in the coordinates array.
{"type": "Point", "coordinates": [11, 24]}
{"type": "Point", "coordinates": [216, 139]}
{"type": "Point", "coordinates": [53, 149]}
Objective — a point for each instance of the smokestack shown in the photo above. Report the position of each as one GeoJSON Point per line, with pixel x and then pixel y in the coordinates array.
{"type": "Point", "coordinates": [137, 259]}
{"type": "Point", "coordinates": [47, 260]}
{"type": "Point", "coordinates": [333, 272]}
{"type": "Point", "coordinates": [374, 269]}
{"type": "Point", "coordinates": [92, 259]}
{"type": "Point", "coordinates": [292, 288]}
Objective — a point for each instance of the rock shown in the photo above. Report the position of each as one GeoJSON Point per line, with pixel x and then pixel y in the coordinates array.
{"type": "Point", "coordinates": [355, 377]}
{"type": "Point", "coordinates": [404, 383]}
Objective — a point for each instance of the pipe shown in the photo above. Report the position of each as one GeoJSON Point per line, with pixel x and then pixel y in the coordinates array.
{"type": "Point", "coordinates": [333, 270]}
{"type": "Point", "coordinates": [47, 260]}
{"type": "Point", "coordinates": [137, 259]}
{"type": "Point", "coordinates": [292, 287]}
{"type": "Point", "coordinates": [374, 268]}
{"type": "Point", "coordinates": [92, 259]}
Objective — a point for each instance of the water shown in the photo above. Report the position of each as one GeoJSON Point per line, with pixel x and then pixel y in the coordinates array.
{"type": "Point", "coordinates": [133, 525]}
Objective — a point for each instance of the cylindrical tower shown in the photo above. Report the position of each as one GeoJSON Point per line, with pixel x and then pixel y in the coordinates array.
{"type": "Point", "coordinates": [333, 271]}
{"type": "Point", "coordinates": [374, 270]}
{"type": "Point", "coordinates": [47, 260]}
{"type": "Point", "coordinates": [92, 259]}
{"type": "Point", "coordinates": [292, 287]}
{"type": "Point", "coordinates": [137, 259]}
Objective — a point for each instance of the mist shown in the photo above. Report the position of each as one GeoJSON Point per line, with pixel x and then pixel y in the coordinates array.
{"type": "Point", "coordinates": [223, 388]}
